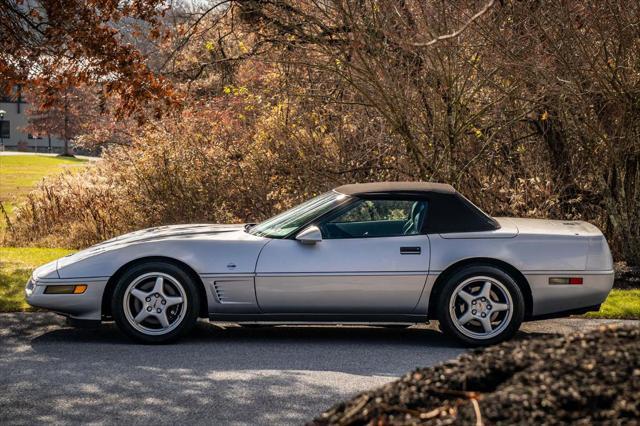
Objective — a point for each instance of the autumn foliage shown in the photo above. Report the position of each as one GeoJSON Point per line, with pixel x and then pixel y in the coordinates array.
{"type": "Point", "coordinates": [57, 44]}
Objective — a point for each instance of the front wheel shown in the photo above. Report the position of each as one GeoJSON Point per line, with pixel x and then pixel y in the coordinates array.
{"type": "Point", "coordinates": [480, 305]}
{"type": "Point", "coordinates": [155, 302]}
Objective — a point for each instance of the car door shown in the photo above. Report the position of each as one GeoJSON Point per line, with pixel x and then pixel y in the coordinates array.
{"type": "Point", "coordinates": [373, 258]}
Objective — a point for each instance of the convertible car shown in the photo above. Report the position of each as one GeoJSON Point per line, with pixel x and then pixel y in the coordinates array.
{"type": "Point", "coordinates": [389, 254]}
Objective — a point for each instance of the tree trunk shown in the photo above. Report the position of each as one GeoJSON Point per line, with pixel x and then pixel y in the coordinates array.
{"type": "Point", "coordinates": [66, 127]}
{"type": "Point", "coordinates": [552, 133]}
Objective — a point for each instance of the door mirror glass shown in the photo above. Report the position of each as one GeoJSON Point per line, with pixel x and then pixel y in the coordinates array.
{"type": "Point", "coordinates": [309, 235]}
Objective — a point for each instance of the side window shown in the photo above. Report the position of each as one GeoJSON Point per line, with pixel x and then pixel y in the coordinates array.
{"type": "Point", "coordinates": [377, 218]}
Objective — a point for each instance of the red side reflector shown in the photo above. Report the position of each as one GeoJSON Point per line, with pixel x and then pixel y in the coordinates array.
{"type": "Point", "coordinates": [566, 280]}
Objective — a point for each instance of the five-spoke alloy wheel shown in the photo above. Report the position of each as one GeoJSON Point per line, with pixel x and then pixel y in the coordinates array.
{"type": "Point", "coordinates": [480, 305]}
{"type": "Point", "coordinates": [155, 302]}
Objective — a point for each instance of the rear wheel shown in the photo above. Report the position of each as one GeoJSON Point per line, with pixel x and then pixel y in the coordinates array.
{"type": "Point", "coordinates": [155, 302]}
{"type": "Point", "coordinates": [480, 305]}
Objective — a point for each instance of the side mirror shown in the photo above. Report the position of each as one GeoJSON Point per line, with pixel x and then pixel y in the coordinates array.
{"type": "Point", "coordinates": [309, 235]}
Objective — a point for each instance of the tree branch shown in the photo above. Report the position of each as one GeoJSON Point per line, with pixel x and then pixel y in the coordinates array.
{"type": "Point", "coordinates": [454, 34]}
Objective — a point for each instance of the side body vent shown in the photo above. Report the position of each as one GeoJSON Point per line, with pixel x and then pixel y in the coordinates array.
{"type": "Point", "coordinates": [234, 291]}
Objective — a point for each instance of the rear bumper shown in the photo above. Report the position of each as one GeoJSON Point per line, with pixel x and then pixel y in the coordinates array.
{"type": "Point", "coordinates": [86, 306]}
{"type": "Point", "coordinates": [549, 299]}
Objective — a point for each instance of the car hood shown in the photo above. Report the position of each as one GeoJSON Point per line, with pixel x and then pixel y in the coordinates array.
{"type": "Point", "coordinates": [169, 241]}
{"type": "Point", "coordinates": [231, 232]}
{"type": "Point", "coordinates": [169, 231]}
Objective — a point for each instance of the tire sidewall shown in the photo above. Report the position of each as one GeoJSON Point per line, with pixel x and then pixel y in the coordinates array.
{"type": "Point", "coordinates": [444, 315]}
{"type": "Point", "coordinates": [191, 291]}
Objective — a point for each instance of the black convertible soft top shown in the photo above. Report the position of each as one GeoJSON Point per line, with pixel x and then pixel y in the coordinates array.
{"type": "Point", "coordinates": [447, 212]}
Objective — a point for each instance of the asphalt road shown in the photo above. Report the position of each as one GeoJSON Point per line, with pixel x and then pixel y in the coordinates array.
{"type": "Point", "coordinates": [279, 375]}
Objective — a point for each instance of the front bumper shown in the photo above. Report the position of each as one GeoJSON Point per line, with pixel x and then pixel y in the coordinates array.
{"type": "Point", "coordinates": [549, 298]}
{"type": "Point", "coordinates": [86, 306]}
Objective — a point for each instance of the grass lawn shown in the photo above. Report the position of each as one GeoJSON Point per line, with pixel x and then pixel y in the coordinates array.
{"type": "Point", "coordinates": [20, 173]}
{"type": "Point", "coordinates": [620, 304]}
{"type": "Point", "coordinates": [16, 266]}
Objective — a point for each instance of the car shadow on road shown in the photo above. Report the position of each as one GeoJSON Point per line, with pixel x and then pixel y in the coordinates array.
{"type": "Point", "coordinates": [347, 349]}
{"type": "Point", "coordinates": [213, 334]}
{"type": "Point", "coordinates": [227, 336]}
{"type": "Point", "coordinates": [45, 329]}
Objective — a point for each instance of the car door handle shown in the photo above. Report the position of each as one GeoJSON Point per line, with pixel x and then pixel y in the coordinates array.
{"type": "Point", "coordinates": [410, 250]}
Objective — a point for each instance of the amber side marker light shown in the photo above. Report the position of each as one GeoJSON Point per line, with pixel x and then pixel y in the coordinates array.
{"type": "Point", "coordinates": [566, 280]}
{"type": "Point", "coordinates": [65, 289]}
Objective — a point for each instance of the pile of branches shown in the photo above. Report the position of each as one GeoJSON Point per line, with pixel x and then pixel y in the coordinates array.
{"type": "Point", "coordinates": [581, 378]}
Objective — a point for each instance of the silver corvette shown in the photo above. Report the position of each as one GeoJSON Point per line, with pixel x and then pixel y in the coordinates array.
{"type": "Point", "coordinates": [393, 254]}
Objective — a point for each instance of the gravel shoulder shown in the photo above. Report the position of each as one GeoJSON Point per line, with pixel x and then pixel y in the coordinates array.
{"type": "Point", "coordinates": [280, 375]}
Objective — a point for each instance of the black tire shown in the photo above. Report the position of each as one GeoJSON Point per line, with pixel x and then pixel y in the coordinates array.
{"type": "Point", "coordinates": [472, 274]}
{"type": "Point", "coordinates": [187, 319]}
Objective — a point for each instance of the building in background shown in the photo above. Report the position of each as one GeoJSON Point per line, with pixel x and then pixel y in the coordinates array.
{"type": "Point", "coordinates": [13, 136]}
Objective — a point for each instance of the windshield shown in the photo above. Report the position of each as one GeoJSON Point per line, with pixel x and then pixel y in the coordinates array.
{"type": "Point", "coordinates": [289, 221]}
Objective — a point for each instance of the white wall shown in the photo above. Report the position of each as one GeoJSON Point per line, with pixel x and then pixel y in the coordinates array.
{"type": "Point", "coordinates": [19, 140]}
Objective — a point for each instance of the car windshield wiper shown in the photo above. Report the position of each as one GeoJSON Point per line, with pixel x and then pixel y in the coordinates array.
{"type": "Point", "coordinates": [248, 226]}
